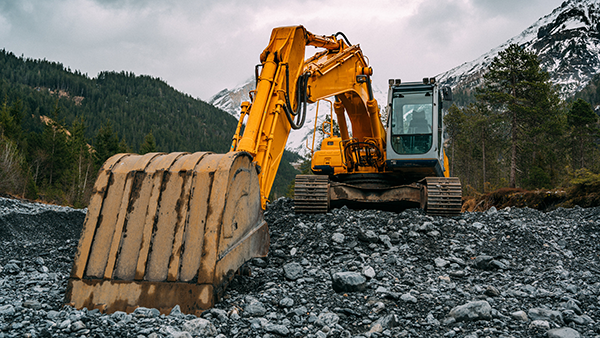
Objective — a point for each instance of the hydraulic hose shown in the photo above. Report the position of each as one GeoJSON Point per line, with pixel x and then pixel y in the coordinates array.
{"type": "Point", "coordinates": [299, 114]}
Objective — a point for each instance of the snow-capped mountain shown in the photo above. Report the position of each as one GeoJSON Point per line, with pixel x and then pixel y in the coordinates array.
{"type": "Point", "coordinates": [567, 42]}
{"type": "Point", "coordinates": [299, 141]}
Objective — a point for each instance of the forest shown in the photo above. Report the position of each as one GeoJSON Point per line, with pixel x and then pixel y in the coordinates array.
{"type": "Point", "coordinates": [58, 126]}
{"type": "Point", "coordinates": [515, 131]}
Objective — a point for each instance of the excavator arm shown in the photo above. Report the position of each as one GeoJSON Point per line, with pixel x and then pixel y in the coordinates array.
{"type": "Point", "coordinates": [172, 229]}
{"type": "Point", "coordinates": [287, 82]}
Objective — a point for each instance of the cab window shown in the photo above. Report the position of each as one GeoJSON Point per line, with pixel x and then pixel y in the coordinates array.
{"type": "Point", "coordinates": [412, 121]}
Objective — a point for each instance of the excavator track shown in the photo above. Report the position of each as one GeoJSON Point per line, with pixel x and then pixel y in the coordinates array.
{"type": "Point", "coordinates": [311, 194]}
{"type": "Point", "coordinates": [444, 196]}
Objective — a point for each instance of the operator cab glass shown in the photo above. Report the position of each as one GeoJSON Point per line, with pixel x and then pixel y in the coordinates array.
{"type": "Point", "coordinates": [412, 122]}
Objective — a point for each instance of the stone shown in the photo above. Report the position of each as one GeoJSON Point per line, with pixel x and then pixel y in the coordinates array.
{"type": "Point", "coordinates": [389, 321]}
{"type": "Point", "coordinates": [440, 262]}
{"type": "Point", "coordinates": [255, 309]}
{"type": "Point", "coordinates": [348, 281]}
{"type": "Point", "coordinates": [286, 302]}
{"type": "Point", "coordinates": [338, 238]}
{"type": "Point", "coordinates": [7, 310]}
{"type": "Point", "coordinates": [368, 272]}
{"type": "Point", "coordinates": [407, 297]}
{"type": "Point", "coordinates": [368, 236]}
{"type": "Point", "coordinates": [32, 304]}
{"type": "Point", "coordinates": [539, 324]}
{"type": "Point", "coordinates": [64, 324]}
{"type": "Point", "coordinates": [563, 332]}
{"type": "Point", "coordinates": [143, 312]}
{"type": "Point", "coordinates": [200, 327]}
{"type": "Point", "coordinates": [431, 320]}
{"type": "Point", "coordinates": [520, 315]}
{"type": "Point", "coordinates": [488, 263]}
{"type": "Point", "coordinates": [478, 225]}
{"type": "Point", "coordinates": [492, 291]}
{"type": "Point", "coordinates": [329, 318]}
{"type": "Point", "coordinates": [281, 330]}
{"type": "Point", "coordinates": [176, 311]}
{"type": "Point", "coordinates": [545, 314]}
{"type": "Point", "coordinates": [293, 271]}
{"type": "Point", "coordinates": [120, 316]}
{"type": "Point", "coordinates": [220, 314]}
{"type": "Point", "coordinates": [572, 305]}
{"type": "Point", "coordinates": [12, 268]}
{"type": "Point", "coordinates": [477, 310]}
{"type": "Point", "coordinates": [78, 325]}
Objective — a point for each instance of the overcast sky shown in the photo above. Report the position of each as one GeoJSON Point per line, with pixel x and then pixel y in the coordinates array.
{"type": "Point", "coordinates": [203, 46]}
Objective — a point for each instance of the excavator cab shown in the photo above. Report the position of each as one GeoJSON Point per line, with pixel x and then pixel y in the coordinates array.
{"type": "Point", "coordinates": [415, 144]}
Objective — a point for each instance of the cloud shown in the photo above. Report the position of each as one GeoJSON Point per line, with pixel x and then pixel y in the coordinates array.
{"type": "Point", "coordinates": [201, 47]}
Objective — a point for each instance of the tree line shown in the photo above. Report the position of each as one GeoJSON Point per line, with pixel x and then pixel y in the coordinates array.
{"type": "Point", "coordinates": [58, 126]}
{"type": "Point", "coordinates": [517, 132]}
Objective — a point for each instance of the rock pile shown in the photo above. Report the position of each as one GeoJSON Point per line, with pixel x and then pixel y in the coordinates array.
{"type": "Point", "coordinates": [501, 273]}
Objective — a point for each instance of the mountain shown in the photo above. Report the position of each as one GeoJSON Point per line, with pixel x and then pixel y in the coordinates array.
{"type": "Point", "coordinates": [567, 42]}
{"type": "Point", "coordinates": [135, 104]}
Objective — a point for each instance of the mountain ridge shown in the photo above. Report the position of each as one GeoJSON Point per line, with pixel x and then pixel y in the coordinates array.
{"type": "Point", "coordinates": [567, 42]}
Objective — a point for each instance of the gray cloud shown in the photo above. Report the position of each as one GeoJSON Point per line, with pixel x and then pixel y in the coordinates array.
{"type": "Point", "coordinates": [201, 47]}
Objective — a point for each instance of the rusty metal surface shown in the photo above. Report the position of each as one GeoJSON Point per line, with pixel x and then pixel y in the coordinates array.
{"type": "Point", "coordinates": [163, 227]}
{"type": "Point", "coordinates": [444, 196]}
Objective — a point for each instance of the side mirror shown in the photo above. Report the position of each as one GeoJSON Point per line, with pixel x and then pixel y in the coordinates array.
{"type": "Point", "coordinates": [447, 93]}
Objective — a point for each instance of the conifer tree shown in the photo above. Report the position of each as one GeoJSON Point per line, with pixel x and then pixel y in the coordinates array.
{"type": "Point", "coordinates": [149, 144]}
{"type": "Point", "coordinates": [583, 123]}
{"type": "Point", "coordinates": [82, 165]}
{"type": "Point", "coordinates": [518, 90]}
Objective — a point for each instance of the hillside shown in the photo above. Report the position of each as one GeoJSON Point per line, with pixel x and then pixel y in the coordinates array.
{"type": "Point", "coordinates": [126, 106]}
{"type": "Point", "coordinates": [134, 104]}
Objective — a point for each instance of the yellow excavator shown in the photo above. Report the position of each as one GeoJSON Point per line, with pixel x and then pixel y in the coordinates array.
{"type": "Point", "coordinates": [172, 229]}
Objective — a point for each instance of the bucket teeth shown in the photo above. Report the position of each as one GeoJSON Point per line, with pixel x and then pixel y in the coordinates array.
{"type": "Point", "coordinates": [167, 229]}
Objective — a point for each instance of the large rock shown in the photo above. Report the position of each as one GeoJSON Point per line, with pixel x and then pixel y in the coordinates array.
{"type": "Point", "coordinates": [281, 330]}
{"type": "Point", "coordinates": [200, 327]}
{"type": "Point", "coordinates": [563, 332]}
{"type": "Point", "coordinates": [545, 314]}
{"type": "Point", "coordinates": [7, 310]}
{"type": "Point", "coordinates": [478, 310]}
{"type": "Point", "coordinates": [293, 270]}
{"type": "Point", "coordinates": [348, 281]}
{"type": "Point", "coordinates": [255, 309]}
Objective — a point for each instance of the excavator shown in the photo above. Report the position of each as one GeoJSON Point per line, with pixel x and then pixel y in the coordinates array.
{"type": "Point", "coordinates": [173, 229]}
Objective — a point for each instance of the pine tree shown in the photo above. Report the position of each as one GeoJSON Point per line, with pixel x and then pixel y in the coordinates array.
{"type": "Point", "coordinates": [82, 165]}
{"type": "Point", "coordinates": [518, 90]}
{"type": "Point", "coordinates": [107, 143]}
{"type": "Point", "coordinates": [583, 123]}
{"type": "Point", "coordinates": [149, 144]}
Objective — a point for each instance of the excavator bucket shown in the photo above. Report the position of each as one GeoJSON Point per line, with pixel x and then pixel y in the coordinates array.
{"type": "Point", "coordinates": [167, 229]}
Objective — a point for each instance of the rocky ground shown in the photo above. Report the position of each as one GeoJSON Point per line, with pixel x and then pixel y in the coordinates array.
{"type": "Point", "coordinates": [499, 273]}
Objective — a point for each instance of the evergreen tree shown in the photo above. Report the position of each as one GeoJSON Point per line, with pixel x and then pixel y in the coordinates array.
{"type": "Point", "coordinates": [149, 144]}
{"type": "Point", "coordinates": [583, 122]}
{"type": "Point", "coordinates": [107, 143]}
{"type": "Point", "coordinates": [58, 155]}
{"type": "Point", "coordinates": [82, 167]}
{"type": "Point", "coordinates": [516, 88]}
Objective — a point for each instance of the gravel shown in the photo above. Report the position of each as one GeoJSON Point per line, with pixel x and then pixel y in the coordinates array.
{"type": "Point", "coordinates": [501, 273]}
